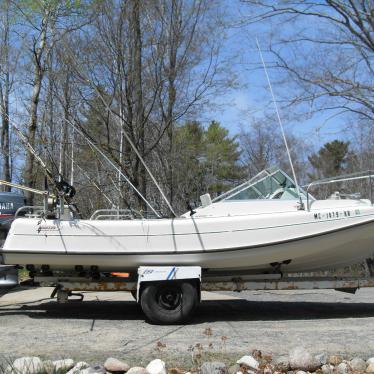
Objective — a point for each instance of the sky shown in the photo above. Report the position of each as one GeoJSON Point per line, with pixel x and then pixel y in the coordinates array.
{"type": "Point", "coordinates": [239, 106]}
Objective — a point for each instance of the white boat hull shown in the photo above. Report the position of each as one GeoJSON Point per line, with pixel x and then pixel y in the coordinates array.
{"type": "Point", "coordinates": [331, 235]}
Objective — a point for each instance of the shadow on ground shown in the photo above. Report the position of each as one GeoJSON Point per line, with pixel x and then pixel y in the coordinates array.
{"type": "Point", "coordinates": [207, 311]}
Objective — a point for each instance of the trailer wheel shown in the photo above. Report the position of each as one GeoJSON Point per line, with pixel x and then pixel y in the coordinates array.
{"type": "Point", "coordinates": [169, 302]}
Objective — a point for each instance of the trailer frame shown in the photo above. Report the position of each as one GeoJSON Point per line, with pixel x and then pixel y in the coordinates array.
{"type": "Point", "coordinates": [158, 288]}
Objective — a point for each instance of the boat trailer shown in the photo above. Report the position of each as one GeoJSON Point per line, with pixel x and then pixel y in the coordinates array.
{"type": "Point", "coordinates": [169, 294]}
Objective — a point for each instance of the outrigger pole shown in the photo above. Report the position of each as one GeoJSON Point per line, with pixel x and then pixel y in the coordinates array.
{"type": "Point", "coordinates": [92, 144]}
{"type": "Point", "coordinates": [82, 76]}
{"type": "Point", "coordinates": [64, 191]}
{"type": "Point", "coordinates": [138, 154]}
{"type": "Point", "coordinates": [280, 125]}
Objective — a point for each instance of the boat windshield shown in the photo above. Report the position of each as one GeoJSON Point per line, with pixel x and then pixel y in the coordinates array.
{"type": "Point", "coordinates": [270, 183]}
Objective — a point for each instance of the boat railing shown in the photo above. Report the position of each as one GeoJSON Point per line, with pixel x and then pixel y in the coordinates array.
{"type": "Point", "coordinates": [30, 211]}
{"type": "Point", "coordinates": [115, 214]}
{"type": "Point", "coordinates": [369, 175]}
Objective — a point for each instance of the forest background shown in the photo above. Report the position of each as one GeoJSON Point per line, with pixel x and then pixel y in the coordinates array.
{"type": "Point", "coordinates": [182, 81]}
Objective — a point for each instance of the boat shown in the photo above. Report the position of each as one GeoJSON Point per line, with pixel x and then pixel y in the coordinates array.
{"type": "Point", "coordinates": [265, 225]}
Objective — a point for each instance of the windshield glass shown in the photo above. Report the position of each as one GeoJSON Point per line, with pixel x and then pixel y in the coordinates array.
{"type": "Point", "coordinates": [271, 183]}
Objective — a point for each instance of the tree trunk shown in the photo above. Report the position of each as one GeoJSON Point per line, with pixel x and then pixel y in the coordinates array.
{"type": "Point", "coordinates": [5, 88]}
{"type": "Point", "coordinates": [29, 175]}
{"type": "Point", "coordinates": [172, 93]}
{"type": "Point", "coordinates": [138, 94]}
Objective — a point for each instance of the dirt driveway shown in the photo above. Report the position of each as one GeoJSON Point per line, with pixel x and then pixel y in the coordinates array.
{"type": "Point", "coordinates": [111, 324]}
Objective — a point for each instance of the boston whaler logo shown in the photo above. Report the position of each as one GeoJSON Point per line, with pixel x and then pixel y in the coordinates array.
{"type": "Point", "coordinates": [47, 228]}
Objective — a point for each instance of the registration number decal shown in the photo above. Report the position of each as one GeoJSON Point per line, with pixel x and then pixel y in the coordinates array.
{"type": "Point", "coordinates": [335, 214]}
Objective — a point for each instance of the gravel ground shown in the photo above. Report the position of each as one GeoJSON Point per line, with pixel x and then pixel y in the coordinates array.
{"type": "Point", "coordinates": [111, 324]}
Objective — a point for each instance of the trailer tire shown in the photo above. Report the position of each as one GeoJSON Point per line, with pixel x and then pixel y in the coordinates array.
{"type": "Point", "coordinates": [171, 302]}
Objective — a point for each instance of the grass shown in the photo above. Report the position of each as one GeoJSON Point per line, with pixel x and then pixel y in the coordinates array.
{"type": "Point", "coordinates": [23, 274]}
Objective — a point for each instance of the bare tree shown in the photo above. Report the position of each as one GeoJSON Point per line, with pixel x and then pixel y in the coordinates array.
{"type": "Point", "coordinates": [158, 61]}
{"type": "Point", "coordinates": [262, 147]}
{"type": "Point", "coordinates": [326, 49]}
{"type": "Point", "coordinates": [46, 23]}
{"type": "Point", "coordinates": [5, 88]}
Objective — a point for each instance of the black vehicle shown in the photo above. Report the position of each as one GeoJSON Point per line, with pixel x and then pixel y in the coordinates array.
{"type": "Point", "coordinates": [10, 202]}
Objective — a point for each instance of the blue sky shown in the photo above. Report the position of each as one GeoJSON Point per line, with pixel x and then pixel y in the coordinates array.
{"type": "Point", "coordinates": [238, 106]}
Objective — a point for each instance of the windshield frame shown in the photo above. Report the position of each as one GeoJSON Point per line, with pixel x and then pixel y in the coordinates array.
{"type": "Point", "coordinates": [257, 179]}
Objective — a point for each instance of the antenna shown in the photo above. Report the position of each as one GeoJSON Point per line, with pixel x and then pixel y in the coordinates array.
{"type": "Point", "coordinates": [280, 125]}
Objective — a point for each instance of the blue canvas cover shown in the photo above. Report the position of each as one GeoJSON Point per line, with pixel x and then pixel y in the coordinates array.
{"type": "Point", "coordinates": [10, 202]}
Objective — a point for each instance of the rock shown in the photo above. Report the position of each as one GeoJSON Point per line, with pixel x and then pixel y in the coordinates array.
{"type": "Point", "coordinates": [137, 370]}
{"type": "Point", "coordinates": [249, 362]}
{"type": "Point", "coordinates": [78, 367]}
{"type": "Point", "coordinates": [357, 364]}
{"type": "Point", "coordinates": [301, 359]}
{"type": "Point", "coordinates": [257, 354]}
{"type": "Point", "coordinates": [213, 368]}
{"type": "Point", "coordinates": [94, 369]}
{"type": "Point", "coordinates": [175, 371]}
{"type": "Point", "coordinates": [234, 369]}
{"type": "Point", "coordinates": [156, 367]}
{"type": "Point", "coordinates": [268, 369]}
{"type": "Point", "coordinates": [327, 369]}
{"type": "Point", "coordinates": [342, 368]}
{"type": "Point", "coordinates": [282, 363]}
{"type": "Point", "coordinates": [63, 365]}
{"type": "Point", "coordinates": [322, 358]}
{"type": "Point", "coordinates": [267, 358]}
{"type": "Point", "coordinates": [29, 365]}
{"type": "Point", "coordinates": [300, 372]}
{"type": "Point", "coordinates": [113, 365]}
{"type": "Point", "coordinates": [335, 360]}
{"type": "Point", "coordinates": [370, 368]}
{"type": "Point", "coordinates": [370, 361]}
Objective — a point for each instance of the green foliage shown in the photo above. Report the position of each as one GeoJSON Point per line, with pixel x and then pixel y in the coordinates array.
{"type": "Point", "coordinates": [222, 155]}
{"type": "Point", "coordinates": [332, 159]}
{"type": "Point", "coordinates": [207, 159]}
{"type": "Point", "coordinates": [40, 5]}
{"type": "Point", "coordinates": [33, 10]}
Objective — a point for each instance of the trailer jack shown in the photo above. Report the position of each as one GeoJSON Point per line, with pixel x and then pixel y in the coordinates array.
{"type": "Point", "coordinates": [63, 295]}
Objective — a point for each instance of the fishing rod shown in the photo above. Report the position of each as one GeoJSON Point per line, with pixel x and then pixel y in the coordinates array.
{"type": "Point", "coordinates": [92, 144]}
{"type": "Point", "coordinates": [85, 79]}
{"type": "Point", "coordinates": [281, 126]}
{"type": "Point", "coordinates": [92, 181]}
{"type": "Point", "coordinates": [63, 189]}
{"type": "Point", "coordinates": [117, 187]}
{"type": "Point", "coordinates": [96, 185]}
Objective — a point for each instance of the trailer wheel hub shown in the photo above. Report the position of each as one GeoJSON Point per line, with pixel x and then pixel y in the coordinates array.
{"type": "Point", "coordinates": [169, 298]}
